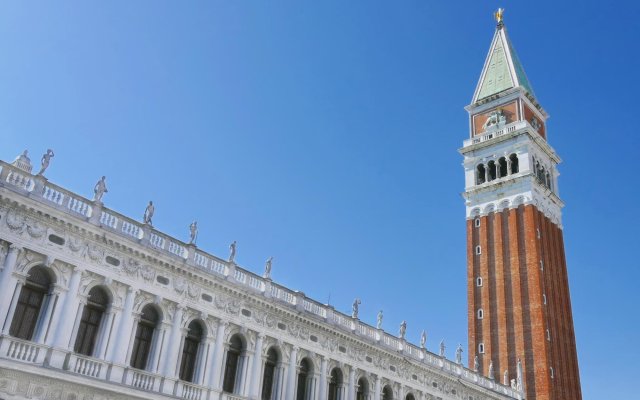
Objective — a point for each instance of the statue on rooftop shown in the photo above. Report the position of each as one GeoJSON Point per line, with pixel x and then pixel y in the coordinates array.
{"type": "Point", "coordinates": [193, 232]}
{"type": "Point", "coordinates": [459, 354]}
{"type": "Point", "coordinates": [148, 213]}
{"type": "Point", "coordinates": [476, 364]}
{"type": "Point", "coordinates": [379, 320]}
{"type": "Point", "coordinates": [267, 268]}
{"type": "Point", "coordinates": [232, 251]}
{"type": "Point", "coordinates": [423, 339]}
{"type": "Point", "coordinates": [519, 376]}
{"type": "Point", "coordinates": [354, 308]}
{"type": "Point", "coordinates": [491, 370]}
{"type": "Point", "coordinates": [46, 158]}
{"type": "Point", "coordinates": [100, 189]}
{"type": "Point", "coordinates": [403, 329]}
{"type": "Point", "coordinates": [505, 378]}
{"type": "Point", "coordinates": [442, 348]}
{"type": "Point", "coordinates": [23, 162]}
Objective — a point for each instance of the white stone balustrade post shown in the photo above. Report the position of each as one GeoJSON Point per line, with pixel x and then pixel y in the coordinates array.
{"type": "Point", "coordinates": [378, 390]}
{"type": "Point", "coordinates": [8, 283]}
{"type": "Point", "coordinates": [171, 351]}
{"type": "Point", "coordinates": [254, 390]}
{"type": "Point", "coordinates": [291, 373]}
{"type": "Point", "coordinates": [217, 367]}
{"type": "Point", "coordinates": [323, 379]}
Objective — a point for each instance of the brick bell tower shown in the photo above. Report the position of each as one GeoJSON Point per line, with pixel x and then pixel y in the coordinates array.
{"type": "Point", "coordinates": [520, 321]}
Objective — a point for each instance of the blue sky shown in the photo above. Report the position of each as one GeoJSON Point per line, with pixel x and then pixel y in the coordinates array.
{"type": "Point", "coordinates": [326, 134]}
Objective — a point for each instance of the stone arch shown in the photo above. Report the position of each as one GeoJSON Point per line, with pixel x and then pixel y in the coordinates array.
{"type": "Point", "coordinates": [475, 212]}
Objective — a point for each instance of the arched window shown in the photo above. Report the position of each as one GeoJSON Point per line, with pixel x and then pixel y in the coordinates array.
{"type": "Point", "coordinates": [410, 397]}
{"type": "Point", "coordinates": [303, 380]}
{"type": "Point", "coordinates": [502, 167]}
{"type": "Point", "coordinates": [144, 336]}
{"type": "Point", "coordinates": [30, 303]}
{"type": "Point", "coordinates": [480, 174]}
{"type": "Point", "coordinates": [335, 384]}
{"type": "Point", "coordinates": [92, 314]}
{"type": "Point", "coordinates": [268, 377]}
{"type": "Point", "coordinates": [387, 393]}
{"type": "Point", "coordinates": [362, 393]}
{"type": "Point", "coordinates": [236, 347]}
{"type": "Point", "coordinates": [190, 351]}
{"type": "Point", "coordinates": [491, 170]}
{"type": "Point", "coordinates": [514, 164]}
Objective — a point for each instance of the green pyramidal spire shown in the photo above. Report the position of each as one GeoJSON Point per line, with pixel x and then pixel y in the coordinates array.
{"type": "Point", "coordinates": [502, 69]}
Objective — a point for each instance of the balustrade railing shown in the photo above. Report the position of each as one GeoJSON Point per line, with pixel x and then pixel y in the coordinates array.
{"type": "Point", "coordinates": [22, 350]}
{"type": "Point", "coordinates": [87, 366]}
{"type": "Point", "coordinates": [496, 133]}
{"type": "Point", "coordinates": [191, 392]}
{"type": "Point", "coordinates": [108, 219]}
{"type": "Point", "coordinates": [52, 195]}
{"type": "Point", "coordinates": [142, 380]}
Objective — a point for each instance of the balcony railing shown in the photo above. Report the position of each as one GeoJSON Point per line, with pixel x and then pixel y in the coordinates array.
{"type": "Point", "coordinates": [22, 350]}
{"type": "Point", "coordinates": [512, 127]}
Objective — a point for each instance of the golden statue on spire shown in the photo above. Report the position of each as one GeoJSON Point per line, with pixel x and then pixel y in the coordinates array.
{"type": "Point", "coordinates": [499, 15]}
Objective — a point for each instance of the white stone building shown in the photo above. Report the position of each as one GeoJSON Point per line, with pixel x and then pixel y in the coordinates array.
{"type": "Point", "coordinates": [96, 305]}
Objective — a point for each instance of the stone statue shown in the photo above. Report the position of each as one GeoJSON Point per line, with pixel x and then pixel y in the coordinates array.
{"type": "Point", "coordinates": [491, 369]}
{"type": "Point", "coordinates": [354, 308]}
{"type": "Point", "coordinates": [499, 16]}
{"type": "Point", "coordinates": [519, 385]}
{"type": "Point", "coordinates": [476, 364]}
{"type": "Point", "coordinates": [459, 354]}
{"type": "Point", "coordinates": [46, 158]}
{"type": "Point", "coordinates": [23, 162]}
{"type": "Point", "coordinates": [379, 321]}
{"type": "Point", "coordinates": [193, 232]}
{"type": "Point", "coordinates": [232, 251]}
{"type": "Point", "coordinates": [514, 385]}
{"type": "Point", "coordinates": [442, 348]}
{"type": "Point", "coordinates": [100, 189]}
{"type": "Point", "coordinates": [267, 268]}
{"type": "Point", "coordinates": [535, 124]}
{"type": "Point", "coordinates": [148, 213]}
{"type": "Point", "coordinates": [403, 329]}
{"type": "Point", "coordinates": [423, 339]}
{"type": "Point", "coordinates": [505, 378]}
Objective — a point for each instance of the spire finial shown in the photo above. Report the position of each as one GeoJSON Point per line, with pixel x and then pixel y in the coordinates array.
{"type": "Point", "coordinates": [498, 15]}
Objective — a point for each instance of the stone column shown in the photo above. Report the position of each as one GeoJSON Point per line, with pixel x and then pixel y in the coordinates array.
{"type": "Point", "coordinates": [105, 330]}
{"type": "Point", "coordinates": [82, 302]}
{"type": "Point", "coordinates": [118, 353]}
{"type": "Point", "coordinates": [154, 365]}
{"type": "Point", "coordinates": [20, 279]}
{"type": "Point", "coordinates": [323, 379]}
{"type": "Point", "coordinates": [171, 350]}
{"type": "Point", "coordinates": [206, 365]}
{"type": "Point", "coordinates": [352, 384]}
{"type": "Point", "coordinates": [217, 367]}
{"type": "Point", "coordinates": [378, 390]}
{"type": "Point", "coordinates": [69, 307]}
{"type": "Point", "coordinates": [291, 375]}
{"type": "Point", "coordinates": [8, 282]}
{"type": "Point", "coordinates": [254, 389]}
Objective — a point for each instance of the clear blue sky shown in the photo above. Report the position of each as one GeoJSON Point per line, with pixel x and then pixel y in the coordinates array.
{"type": "Point", "coordinates": [326, 134]}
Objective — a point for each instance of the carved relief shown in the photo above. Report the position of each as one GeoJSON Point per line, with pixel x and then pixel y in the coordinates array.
{"type": "Point", "coordinates": [95, 253]}
{"type": "Point", "coordinates": [36, 230]}
{"type": "Point", "coordinates": [75, 244]}
{"type": "Point", "coordinates": [15, 221]}
{"type": "Point", "coordinates": [265, 319]}
{"type": "Point", "coordinates": [227, 304]}
{"type": "Point", "coordinates": [131, 266]}
{"type": "Point", "coordinates": [142, 298]}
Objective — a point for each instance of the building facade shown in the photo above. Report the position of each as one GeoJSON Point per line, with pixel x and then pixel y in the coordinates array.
{"type": "Point", "coordinates": [519, 314]}
{"type": "Point", "coordinates": [96, 305]}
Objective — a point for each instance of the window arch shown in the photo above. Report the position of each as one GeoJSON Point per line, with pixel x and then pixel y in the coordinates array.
{"type": "Point", "coordinates": [410, 396]}
{"type": "Point", "coordinates": [491, 170]}
{"type": "Point", "coordinates": [335, 384]}
{"type": "Point", "coordinates": [480, 313]}
{"type": "Point", "coordinates": [190, 350]}
{"type": "Point", "coordinates": [147, 325]}
{"type": "Point", "coordinates": [480, 174]}
{"type": "Point", "coordinates": [515, 168]}
{"type": "Point", "coordinates": [502, 167]}
{"type": "Point", "coordinates": [232, 364]}
{"type": "Point", "coordinates": [31, 303]}
{"type": "Point", "coordinates": [268, 376]}
{"type": "Point", "coordinates": [387, 393]}
{"type": "Point", "coordinates": [304, 374]}
{"type": "Point", "coordinates": [92, 315]}
{"type": "Point", "coordinates": [362, 392]}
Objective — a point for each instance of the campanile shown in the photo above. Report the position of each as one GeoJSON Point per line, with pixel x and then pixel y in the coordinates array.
{"type": "Point", "coordinates": [520, 320]}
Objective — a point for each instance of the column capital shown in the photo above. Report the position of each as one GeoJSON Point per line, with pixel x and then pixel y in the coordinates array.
{"type": "Point", "coordinates": [15, 248]}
